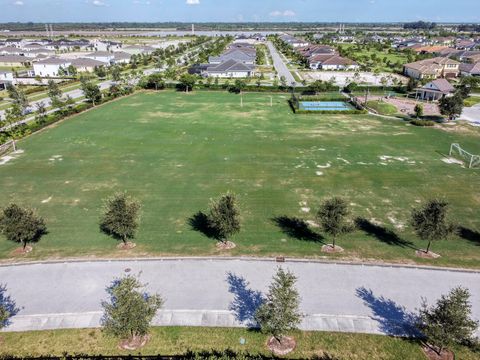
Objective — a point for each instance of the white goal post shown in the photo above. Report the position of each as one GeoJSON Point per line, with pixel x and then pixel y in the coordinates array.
{"type": "Point", "coordinates": [473, 161]}
{"type": "Point", "coordinates": [7, 147]}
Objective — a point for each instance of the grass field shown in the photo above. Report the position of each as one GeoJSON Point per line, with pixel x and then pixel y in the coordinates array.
{"type": "Point", "coordinates": [178, 340]}
{"type": "Point", "coordinates": [175, 151]}
{"type": "Point", "coordinates": [381, 107]}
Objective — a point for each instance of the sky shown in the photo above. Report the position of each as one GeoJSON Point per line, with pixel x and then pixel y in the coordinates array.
{"type": "Point", "coordinates": [239, 10]}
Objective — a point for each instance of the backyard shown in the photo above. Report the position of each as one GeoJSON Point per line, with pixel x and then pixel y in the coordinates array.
{"type": "Point", "coordinates": [175, 151]}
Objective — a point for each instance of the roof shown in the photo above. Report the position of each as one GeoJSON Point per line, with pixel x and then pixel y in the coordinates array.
{"type": "Point", "coordinates": [11, 49]}
{"type": "Point", "coordinates": [441, 85]}
{"type": "Point", "coordinates": [431, 66]}
{"type": "Point", "coordinates": [53, 61]}
{"type": "Point", "coordinates": [121, 55]}
{"type": "Point", "coordinates": [86, 62]}
{"type": "Point", "coordinates": [230, 65]}
{"type": "Point", "coordinates": [473, 69]}
{"type": "Point", "coordinates": [14, 58]}
{"type": "Point", "coordinates": [101, 53]}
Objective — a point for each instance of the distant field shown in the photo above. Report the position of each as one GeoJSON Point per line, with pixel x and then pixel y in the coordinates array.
{"type": "Point", "coordinates": [175, 151]}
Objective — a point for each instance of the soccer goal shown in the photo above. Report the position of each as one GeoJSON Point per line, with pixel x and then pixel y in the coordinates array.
{"type": "Point", "coordinates": [8, 147]}
{"type": "Point", "coordinates": [473, 161]}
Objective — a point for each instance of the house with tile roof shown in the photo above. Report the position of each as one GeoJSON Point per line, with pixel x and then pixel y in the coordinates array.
{"type": "Point", "coordinates": [438, 67]}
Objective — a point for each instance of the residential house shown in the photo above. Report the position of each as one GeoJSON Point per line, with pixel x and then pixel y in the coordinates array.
{"type": "Point", "coordinates": [50, 67]}
{"type": "Point", "coordinates": [14, 42]}
{"type": "Point", "coordinates": [470, 69]}
{"type": "Point", "coordinates": [293, 41]}
{"type": "Point", "coordinates": [14, 61]}
{"type": "Point", "coordinates": [435, 90]}
{"type": "Point", "coordinates": [104, 56]}
{"type": "Point", "coordinates": [33, 53]}
{"type": "Point", "coordinates": [121, 57]}
{"type": "Point", "coordinates": [6, 77]}
{"type": "Point", "coordinates": [106, 45]}
{"type": "Point", "coordinates": [439, 67]}
{"type": "Point", "coordinates": [11, 50]}
{"type": "Point", "coordinates": [236, 54]}
{"type": "Point", "coordinates": [230, 69]}
{"type": "Point", "coordinates": [332, 62]}
{"type": "Point", "coordinates": [86, 64]}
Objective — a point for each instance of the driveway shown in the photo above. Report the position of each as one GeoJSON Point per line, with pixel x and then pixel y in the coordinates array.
{"type": "Point", "coordinates": [279, 64]}
{"type": "Point", "coordinates": [471, 114]}
{"type": "Point", "coordinates": [226, 292]}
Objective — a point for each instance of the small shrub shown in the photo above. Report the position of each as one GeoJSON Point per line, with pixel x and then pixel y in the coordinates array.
{"type": "Point", "coordinates": [418, 122]}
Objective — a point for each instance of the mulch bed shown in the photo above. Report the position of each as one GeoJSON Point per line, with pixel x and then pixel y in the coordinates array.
{"type": "Point", "coordinates": [134, 343]}
{"type": "Point", "coordinates": [424, 255]}
{"type": "Point", "coordinates": [287, 345]}
{"type": "Point", "coordinates": [129, 245]}
{"type": "Point", "coordinates": [331, 250]}
{"type": "Point", "coordinates": [432, 355]}
{"type": "Point", "coordinates": [225, 245]}
{"type": "Point", "coordinates": [21, 251]}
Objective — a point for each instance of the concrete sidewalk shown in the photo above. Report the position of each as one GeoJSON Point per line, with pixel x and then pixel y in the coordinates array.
{"type": "Point", "coordinates": [226, 292]}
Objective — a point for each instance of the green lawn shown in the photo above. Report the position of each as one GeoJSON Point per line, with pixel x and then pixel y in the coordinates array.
{"type": "Point", "coordinates": [179, 340]}
{"type": "Point", "coordinates": [381, 107]}
{"type": "Point", "coordinates": [471, 101]}
{"type": "Point", "coordinates": [175, 151]}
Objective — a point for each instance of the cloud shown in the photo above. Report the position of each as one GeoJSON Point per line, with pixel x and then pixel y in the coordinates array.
{"type": "Point", "coordinates": [193, 2]}
{"type": "Point", "coordinates": [285, 13]}
{"type": "Point", "coordinates": [99, 3]}
{"type": "Point", "coordinates": [140, 2]}
{"type": "Point", "coordinates": [18, 3]}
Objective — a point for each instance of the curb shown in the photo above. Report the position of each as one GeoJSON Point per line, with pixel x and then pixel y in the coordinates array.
{"type": "Point", "coordinates": [246, 259]}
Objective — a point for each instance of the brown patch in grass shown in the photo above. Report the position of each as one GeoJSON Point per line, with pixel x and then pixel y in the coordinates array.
{"type": "Point", "coordinates": [332, 250]}
{"type": "Point", "coordinates": [126, 246]}
{"type": "Point", "coordinates": [432, 355]}
{"type": "Point", "coordinates": [227, 245]}
{"type": "Point", "coordinates": [21, 251]}
{"type": "Point", "coordinates": [134, 343]}
{"type": "Point", "coordinates": [283, 347]}
{"type": "Point", "coordinates": [421, 253]}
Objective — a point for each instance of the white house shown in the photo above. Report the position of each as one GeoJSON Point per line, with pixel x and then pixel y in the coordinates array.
{"type": "Point", "coordinates": [6, 77]}
{"type": "Point", "coordinates": [435, 90]}
{"type": "Point", "coordinates": [121, 57]}
{"type": "Point", "coordinates": [103, 56]}
{"type": "Point", "coordinates": [50, 67]}
{"type": "Point", "coordinates": [230, 69]}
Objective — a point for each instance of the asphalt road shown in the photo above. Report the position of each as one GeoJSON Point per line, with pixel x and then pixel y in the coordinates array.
{"type": "Point", "coordinates": [225, 292]}
{"type": "Point", "coordinates": [279, 64]}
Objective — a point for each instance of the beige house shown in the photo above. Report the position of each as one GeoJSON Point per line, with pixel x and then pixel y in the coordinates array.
{"type": "Point", "coordinates": [439, 67]}
{"type": "Point", "coordinates": [14, 61]}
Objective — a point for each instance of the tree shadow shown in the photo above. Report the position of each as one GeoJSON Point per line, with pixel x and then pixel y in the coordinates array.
{"type": "Point", "coordinates": [297, 228]}
{"type": "Point", "coordinates": [469, 234]}
{"type": "Point", "coordinates": [7, 304]}
{"type": "Point", "coordinates": [393, 318]}
{"type": "Point", "coordinates": [382, 234]}
{"type": "Point", "coordinates": [199, 222]}
{"type": "Point", "coordinates": [246, 301]}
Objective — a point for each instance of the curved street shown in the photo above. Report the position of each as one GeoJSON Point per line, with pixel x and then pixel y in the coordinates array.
{"type": "Point", "coordinates": [226, 292]}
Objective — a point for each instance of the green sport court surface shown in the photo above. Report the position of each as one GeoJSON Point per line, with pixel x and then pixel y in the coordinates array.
{"type": "Point", "coordinates": [175, 151]}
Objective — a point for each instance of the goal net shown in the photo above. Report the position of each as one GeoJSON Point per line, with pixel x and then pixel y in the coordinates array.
{"type": "Point", "coordinates": [472, 161]}
{"type": "Point", "coordinates": [7, 147]}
